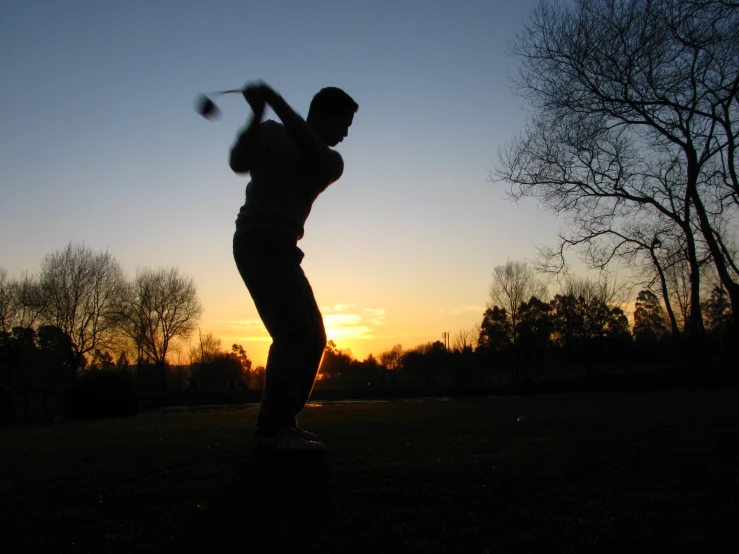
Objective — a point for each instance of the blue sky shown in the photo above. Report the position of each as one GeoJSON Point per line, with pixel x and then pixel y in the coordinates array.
{"type": "Point", "coordinates": [100, 144]}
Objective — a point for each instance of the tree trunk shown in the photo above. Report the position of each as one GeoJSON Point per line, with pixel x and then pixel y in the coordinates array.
{"type": "Point", "coordinates": [666, 295]}
{"type": "Point", "coordinates": [694, 326]}
{"type": "Point", "coordinates": [163, 374]}
{"type": "Point", "coordinates": [708, 234]}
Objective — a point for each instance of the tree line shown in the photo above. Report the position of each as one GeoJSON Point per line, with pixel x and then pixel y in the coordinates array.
{"type": "Point", "coordinates": [526, 332]}
{"type": "Point", "coordinates": [82, 307]}
{"type": "Point", "coordinates": [82, 312]}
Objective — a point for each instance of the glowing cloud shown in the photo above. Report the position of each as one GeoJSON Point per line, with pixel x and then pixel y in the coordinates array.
{"type": "Point", "coordinates": [339, 308]}
{"type": "Point", "coordinates": [344, 324]}
{"type": "Point", "coordinates": [377, 315]}
{"type": "Point", "coordinates": [349, 322]}
{"type": "Point", "coordinates": [346, 327]}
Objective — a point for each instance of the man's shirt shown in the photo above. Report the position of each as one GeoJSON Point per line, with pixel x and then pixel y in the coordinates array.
{"type": "Point", "coordinates": [282, 189]}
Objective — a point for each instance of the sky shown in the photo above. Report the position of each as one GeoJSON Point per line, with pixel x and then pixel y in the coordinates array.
{"type": "Point", "coordinates": [100, 145]}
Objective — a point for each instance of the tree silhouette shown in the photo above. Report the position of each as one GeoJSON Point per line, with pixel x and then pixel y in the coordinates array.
{"type": "Point", "coordinates": [6, 302]}
{"type": "Point", "coordinates": [122, 362]}
{"type": "Point", "coordinates": [258, 377]}
{"type": "Point", "coordinates": [158, 307]}
{"type": "Point", "coordinates": [496, 334]}
{"type": "Point", "coordinates": [19, 347]}
{"type": "Point", "coordinates": [335, 363]}
{"type": "Point", "coordinates": [717, 310]}
{"type": "Point", "coordinates": [20, 302]}
{"type": "Point", "coordinates": [636, 116]}
{"type": "Point", "coordinates": [41, 359]}
{"type": "Point", "coordinates": [79, 290]}
{"type": "Point", "coordinates": [495, 340]}
{"type": "Point", "coordinates": [535, 329]}
{"type": "Point", "coordinates": [238, 352]}
{"type": "Point", "coordinates": [369, 369]}
{"type": "Point", "coordinates": [391, 358]}
{"type": "Point", "coordinates": [213, 368]}
{"type": "Point", "coordinates": [425, 361]}
{"type": "Point", "coordinates": [568, 321]}
{"type": "Point", "coordinates": [514, 283]}
{"type": "Point", "coordinates": [207, 348]}
{"type": "Point", "coordinates": [220, 371]}
{"type": "Point", "coordinates": [649, 318]}
{"type": "Point", "coordinates": [102, 360]}
{"type": "Point", "coordinates": [56, 346]}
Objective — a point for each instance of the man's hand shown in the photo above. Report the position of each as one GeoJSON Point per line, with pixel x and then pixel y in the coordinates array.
{"type": "Point", "coordinates": [245, 153]}
{"type": "Point", "coordinates": [258, 94]}
{"type": "Point", "coordinates": [315, 152]}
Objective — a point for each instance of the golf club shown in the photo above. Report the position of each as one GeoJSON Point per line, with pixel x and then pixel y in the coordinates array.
{"type": "Point", "coordinates": [207, 108]}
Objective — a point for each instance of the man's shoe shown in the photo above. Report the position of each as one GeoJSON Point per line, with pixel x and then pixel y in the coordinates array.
{"type": "Point", "coordinates": [287, 440]}
{"type": "Point", "coordinates": [305, 435]}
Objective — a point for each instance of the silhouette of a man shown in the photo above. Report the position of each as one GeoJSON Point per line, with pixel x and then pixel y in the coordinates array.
{"type": "Point", "coordinates": [291, 163]}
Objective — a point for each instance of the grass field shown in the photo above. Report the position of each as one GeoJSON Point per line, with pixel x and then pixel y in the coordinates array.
{"type": "Point", "coordinates": [650, 472]}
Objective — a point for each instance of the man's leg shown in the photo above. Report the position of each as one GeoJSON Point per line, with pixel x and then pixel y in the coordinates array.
{"type": "Point", "coordinates": [315, 351]}
{"type": "Point", "coordinates": [285, 303]}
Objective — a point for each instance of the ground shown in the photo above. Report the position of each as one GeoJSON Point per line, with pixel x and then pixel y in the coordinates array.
{"type": "Point", "coordinates": [642, 472]}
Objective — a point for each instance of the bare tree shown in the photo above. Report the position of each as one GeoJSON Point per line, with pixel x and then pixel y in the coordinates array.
{"type": "Point", "coordinates": [206, 350]}
{"type": "Point", "coordinates": [635, 106]}
{"type": "Point", "coordinates": [29, 301]}
{"type": "Point", "coordinates": [20, 301]}
{"type": "Point", "coordinates": [158, 307]}
{"type": "Point", "coordinates": [79, 289]}
{"type": "Point", "coordinates": [515, 283]}
{"type": "Point", "coordinates": [678, 279]}
{"type": "Point", "coordinates": [652, 248]}
{"type": "Point", "coordinates": [6, 302]}
{"type": "Point", "coordinates": [465, 339]}
{"type": "Point", "coordinates": [391, 358]}
{"type": "Point", "coordinates": [605, 290]}
{"type": "Point", "coordinates": [599, 303]}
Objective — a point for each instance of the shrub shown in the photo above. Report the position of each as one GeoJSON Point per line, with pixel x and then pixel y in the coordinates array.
{"type": "Point", "coordinates": [103, 394]}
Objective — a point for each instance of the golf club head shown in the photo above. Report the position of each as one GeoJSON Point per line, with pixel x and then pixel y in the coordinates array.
{"type": "Point", "coordinates": [205, 107]}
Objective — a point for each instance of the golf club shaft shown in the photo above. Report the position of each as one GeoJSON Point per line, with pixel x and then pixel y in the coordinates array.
{"type": "Point", "coordinates": [221, 92]}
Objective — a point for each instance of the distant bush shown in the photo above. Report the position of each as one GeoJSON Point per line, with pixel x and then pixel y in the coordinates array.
{"type": "Point", "coordinates": [104, 394]}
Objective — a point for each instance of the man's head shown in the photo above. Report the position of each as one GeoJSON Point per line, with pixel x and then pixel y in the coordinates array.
{"type": "Point", "coordinates": [331, 114]}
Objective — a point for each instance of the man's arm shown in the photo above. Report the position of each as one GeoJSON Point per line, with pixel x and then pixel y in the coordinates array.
{"type": "Point", "coordinates": [244, 153]}
{"type": "Point", "coordinates": [317, 155]}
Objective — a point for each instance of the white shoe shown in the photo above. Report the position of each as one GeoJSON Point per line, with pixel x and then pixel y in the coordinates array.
{"type": "Point", "coordinates": [287, 440]}
{"type": "Point", "coordinates": [305, 435]}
